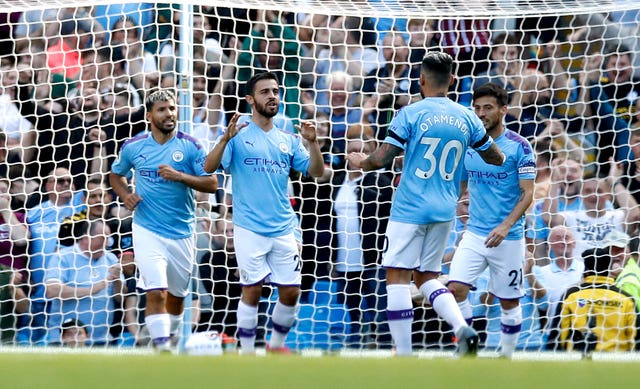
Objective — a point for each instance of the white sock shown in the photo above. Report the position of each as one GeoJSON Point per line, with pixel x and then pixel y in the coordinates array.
{"type": "Point", "coordinates": [247, 327]}
{"type": "Point", "coordinates": [158, 326]}
{"type": "Point", "coordinates": [400, 317]}
{"type": "Point", "coordinates": [443, 303]}
{"type": "Point", "coordinates": [510, 326]}
{"type": "Point", "coordinates": [466, 310]}
{"type": "Point", "coordinates": [282, 319]}
{"type": "Point", "coordinates": [176, 320]}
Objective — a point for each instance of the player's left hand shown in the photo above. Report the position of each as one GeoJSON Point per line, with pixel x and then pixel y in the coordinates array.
{"type": "Point", "coordinates": [496, 236]}
{"type": "Point", "coordinates": [169, 173]}
{"type": "Point", "coordinates": [307, 130]}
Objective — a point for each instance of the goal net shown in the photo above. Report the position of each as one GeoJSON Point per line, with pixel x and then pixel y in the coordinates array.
{"type": "Point", "coordinates": [75, 78]}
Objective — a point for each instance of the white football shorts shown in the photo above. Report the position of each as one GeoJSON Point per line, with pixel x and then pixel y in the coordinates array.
{"type": "Point", "coordinates": [261, 256]}
{"type": "Point", "coordinates": [416, 246]}
{"type": "Point", "coordinates": [505, 264]}
{"type": "Point", "coordinates": [163, 263]}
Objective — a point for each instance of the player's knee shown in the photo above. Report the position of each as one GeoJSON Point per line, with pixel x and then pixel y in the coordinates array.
{"type": "Point", "coordinates": [459, 291]}
{"type": "Point", "coordinates": [289, 295]}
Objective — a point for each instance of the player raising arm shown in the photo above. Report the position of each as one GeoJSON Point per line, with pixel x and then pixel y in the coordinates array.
{"type": "Point", "coordinates": [259, 157]}
{"type": "Point", "coordinates": [434, 134]}
{"type": "Point", "coordinates": [168, 167]}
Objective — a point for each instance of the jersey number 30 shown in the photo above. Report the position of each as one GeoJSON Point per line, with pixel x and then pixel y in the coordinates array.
{"type": "Point", "coordinates": [440, 161]}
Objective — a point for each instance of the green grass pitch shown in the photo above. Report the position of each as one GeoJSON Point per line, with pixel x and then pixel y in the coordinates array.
{"type": "Point", "coordinates": [33, 370]}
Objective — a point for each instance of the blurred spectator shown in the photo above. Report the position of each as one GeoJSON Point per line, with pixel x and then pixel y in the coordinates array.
{"type": "Point", "coordinates": [565, 181]}
{"type": "Point", "coordinates": [627, 272]}
{"type": "Point", "coordinates": [529, 103]}
{"type": "Point", "coordinates": [19, 133]}
{"type": "Point", "coordinates": [74, 333]}
{"type": "Point", "coordinates": [345, 53]}
{"type": "Point", "coordinates": [613, 102]}
{"type": "Point", "coordinates": [71, 139]}
{"type": "Point", "coordinates": [14, 234]}
{"type": "Point", "coordinates": [82, 281]}
{"type": "Point", "coordinates": [559, 142]}
{"type": "Point", "coordinates": [629, 177]}
{"type": "Point", "coordinates": [14, 302]}
{"type": "Point", "coordinates": [468, 42]}
{"type": "Point", "coordinates": [391, 86]}
{"type": "Point", "coordinates": [597, 316]}
{"type": "Point", "coordinates": [361, 208]}
{"type": "Point", "coordinates": [591, 224]}
{"type": "Point", "coordinates": [44, 222]}
{"type": "Point", "coordinates": [564, 271]}
{"type": "Point", "coordinates": [506, 63]}
{"type": "Point", "coordinates": [422, 36]}
{"type": "Point", "coordinates": [63, 55]}
{"type": "Point", "coordinates": [128, 48]}
{"type": "Point", "coordinates": [341, 109]}
{"type": "Point", "coordinates": [272, 47]}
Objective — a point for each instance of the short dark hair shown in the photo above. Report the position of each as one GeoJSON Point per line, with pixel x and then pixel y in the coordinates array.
{"type": "Point", "coordinates": [492, 90]}
{"type": "Point", "coordinates": [596, 262]}
{"type": "Point", "coordinates": [159, 95]}
{"type": "Point", "coordinates": [251, 84]}
{"type": "Point", "coordinates": [438, 67]}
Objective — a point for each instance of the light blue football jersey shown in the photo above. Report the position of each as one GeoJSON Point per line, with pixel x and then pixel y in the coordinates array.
{"type": "Point", "coordinates": [495, 190]}
{"type": "Point", "coordinates": [260, 162]}
{"type": "Point", "coordinates": [434, 133]}
{"type": "Point", "coordinates": [72, 268]}
{"type": "Point", "coordinates": [167, 208]}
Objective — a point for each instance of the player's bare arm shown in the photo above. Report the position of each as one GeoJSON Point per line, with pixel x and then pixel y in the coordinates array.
{"type": "Point", "coordinates": [207, 184]}
{"type": "Point", "coordinates": [215, 156]}
{"type": "Point", "coordinates": [493, 155]}
{"type": "Point", "coordinates": [121, 187]}
{"type": "Point", "coordinates": [498, 234]}
{"type": "Point", "coordinates": [381, 157]}
{"type": "Point", "coordinates": [307, 131]}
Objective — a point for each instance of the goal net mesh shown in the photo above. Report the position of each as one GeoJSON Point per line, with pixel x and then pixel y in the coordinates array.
{"type": "Point", "coordinates": [74, 80]}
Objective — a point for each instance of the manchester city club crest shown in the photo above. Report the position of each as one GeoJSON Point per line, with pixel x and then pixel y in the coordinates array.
{"type": "Point", "coordinates": [284, 148]}
{"type": "Point", "coordinates": [177, 156]}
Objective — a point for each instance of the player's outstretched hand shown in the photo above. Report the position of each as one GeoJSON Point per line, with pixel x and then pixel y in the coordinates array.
{"type": "Point", "coordinates": [355, 159]}
{"type": "Point", "coordinates": [233, 128]}
{"type": "Point", "coordinates": [307, 131]}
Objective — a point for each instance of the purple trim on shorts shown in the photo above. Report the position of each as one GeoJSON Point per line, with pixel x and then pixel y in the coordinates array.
{"type": "Point", "coordinates": [256, 283]}
{"type": "Point", "coordinates": [399, 268]}
{"type": "Point", "coordinates": [152, 289]}
{"type": "Point", "coordinates": [437, 293]}
{"type": "Point", "coordinates": [507, 299]}
{"type": "Point", "coordinates": [400, 315]}
{"type": "Point", "coordinates": [274, 284]}
{"type": "Point", "coordinates": [280, 329]}
{"type": "Point", "coordinates": [507, 329]}
{"type": "Point", "coordinates": [247, 332]}
{"type": "Point", "coordinates": [161, 340]}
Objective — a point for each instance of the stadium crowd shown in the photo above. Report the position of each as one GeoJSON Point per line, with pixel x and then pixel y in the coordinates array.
{"type": "Point", "coordinates": [72, 91]}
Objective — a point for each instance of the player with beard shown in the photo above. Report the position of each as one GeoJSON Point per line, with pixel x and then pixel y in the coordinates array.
{"type": "Point", "coordinates": [259, 157]}
{"type": "Point", "coordinates": [169, 166]}
{"type": "Point", "coordinates": [498, 199]}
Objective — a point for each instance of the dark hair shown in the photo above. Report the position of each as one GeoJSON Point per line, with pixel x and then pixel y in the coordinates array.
{"type": "Point", "coordinates": [596, 262]}
{"type": "Point", "coordinates": [438, 67]}
{"type": "Point", "coordinates": [507, 39]}
{"type": "Point", "coordinates": [159, 95]}
{"type": "Point", "coordinates": [492, 90]}
{"type": "Point", "coordinates": [251, 84]}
